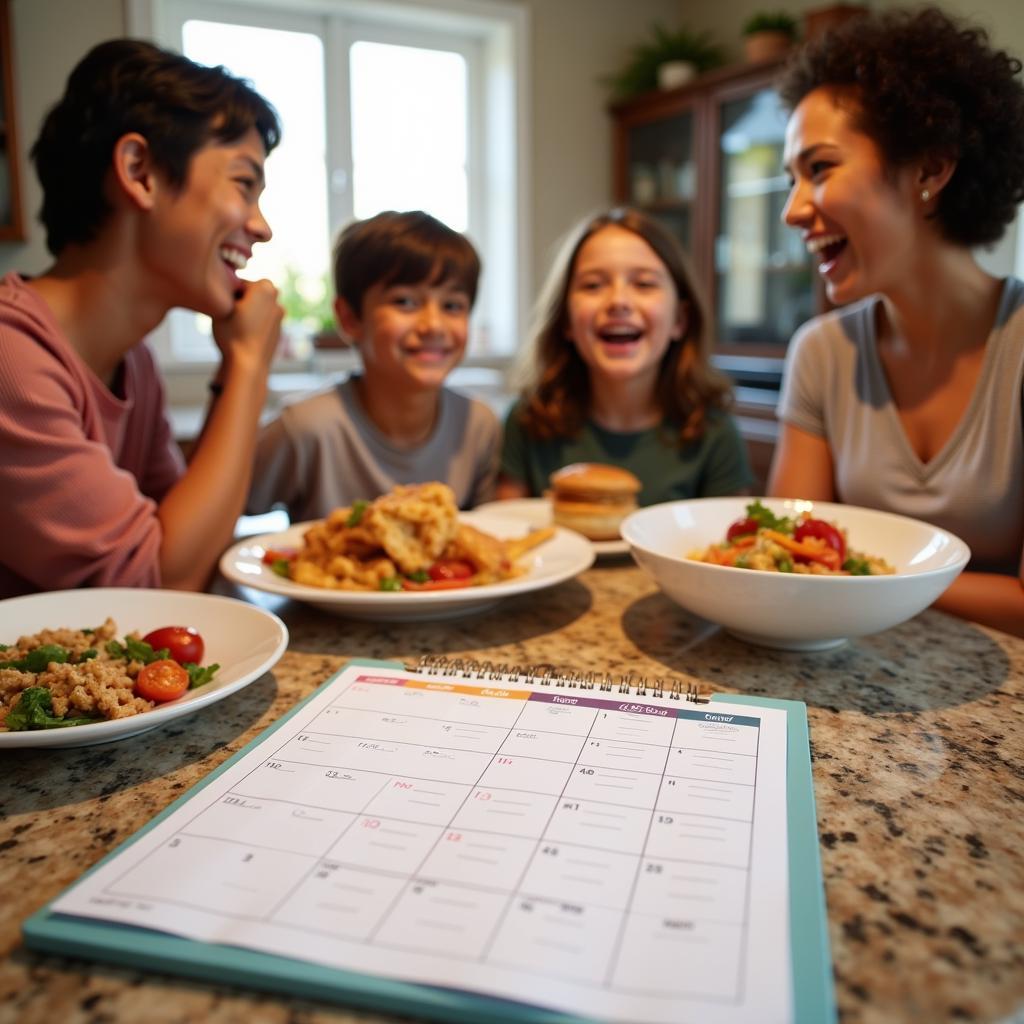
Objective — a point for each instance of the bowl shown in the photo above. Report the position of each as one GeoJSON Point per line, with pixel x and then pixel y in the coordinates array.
{"type": "Point", "coordinates": [789, 610]}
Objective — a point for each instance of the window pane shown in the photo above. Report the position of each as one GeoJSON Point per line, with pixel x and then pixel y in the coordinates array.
{"type": "Point", "coordinates": [409, 130]}
{"type": "Point", "coordinates": [288, 69]}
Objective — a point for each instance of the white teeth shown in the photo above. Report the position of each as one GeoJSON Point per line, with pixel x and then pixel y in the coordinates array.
{"type": "Point", "coordinates": [234, 257]}
{"type": "Point", "coordinates": [815, 245]}
{"type": "Point", "coordinates": [620, 331]}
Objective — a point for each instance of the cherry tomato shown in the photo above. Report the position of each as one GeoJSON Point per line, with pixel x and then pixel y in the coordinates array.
{"type": "Point", "coordinates": [741, 527]}
{"type": "Point", "coordinates": [272, 555]}
{"type": "Point", "coordinates": [451, 569]}
{"type": "Point", "coordinates": [161, 681]}
{"type": "Point", "coordinates": [822, 531]}
{"type": "Point", "coordinates": [183, 643]}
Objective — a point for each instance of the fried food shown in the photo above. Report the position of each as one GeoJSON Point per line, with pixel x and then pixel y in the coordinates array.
{"type": "Point", "coordinates": [395, 542]}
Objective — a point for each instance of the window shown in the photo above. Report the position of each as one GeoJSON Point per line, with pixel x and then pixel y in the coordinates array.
{"type": "Point", "coordinates": [385, 105]}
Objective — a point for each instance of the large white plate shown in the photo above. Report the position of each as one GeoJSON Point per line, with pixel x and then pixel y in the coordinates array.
{"type": "Point", "coordinates": [537, 512]}
{"type": "Point", "coordinates": [563, 556]}
{"type": "Point", "coordinates": [244, 640]}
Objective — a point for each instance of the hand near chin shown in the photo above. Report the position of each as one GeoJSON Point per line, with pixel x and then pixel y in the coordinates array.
{"type": "Point", "coordinates": [250, 332]}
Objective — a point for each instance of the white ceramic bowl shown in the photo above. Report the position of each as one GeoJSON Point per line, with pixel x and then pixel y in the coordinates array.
{"type": "Point", "coordinates": [795, 611]}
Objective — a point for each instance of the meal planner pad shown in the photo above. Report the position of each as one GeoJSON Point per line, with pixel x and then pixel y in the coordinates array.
{"type": "Point", "coordinates": [616, 856]}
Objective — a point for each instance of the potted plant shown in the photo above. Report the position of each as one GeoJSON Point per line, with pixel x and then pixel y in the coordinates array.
{"type": "Point", "coordinates": [666, 60]}
{"type": "Point", "coordinates": [768, 35]}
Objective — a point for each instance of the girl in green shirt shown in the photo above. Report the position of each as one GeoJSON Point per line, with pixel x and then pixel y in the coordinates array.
{"type": "Point", "coordinates": [618, 372]}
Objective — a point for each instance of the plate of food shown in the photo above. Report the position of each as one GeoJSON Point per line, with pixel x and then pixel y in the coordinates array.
{"type": "Point", "coordinates": [794, 574]}
{"type": "Point", "coordinates": [79, 667]}
{"type": "Point", "coordinates": [409, 555]}
{"type": "Point", "coordinates": [588, 497]}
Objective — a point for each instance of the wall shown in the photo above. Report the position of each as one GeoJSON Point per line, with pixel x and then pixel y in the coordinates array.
{"type": "Point", "coordinates": [573, 43]}
{"type": "Point", "coordinates": [49, 37]}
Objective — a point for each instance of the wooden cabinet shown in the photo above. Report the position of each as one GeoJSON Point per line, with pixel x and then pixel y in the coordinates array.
{"type": "Point", "coordinates": [706, 160]}
{"type": "Point", "coordinates": [12, 227]}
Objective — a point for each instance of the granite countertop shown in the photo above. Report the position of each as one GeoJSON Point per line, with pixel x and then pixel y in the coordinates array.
{"type": "Point", "coordinates": [917, 739]}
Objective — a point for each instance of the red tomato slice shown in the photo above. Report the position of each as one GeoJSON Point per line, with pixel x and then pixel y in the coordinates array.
{"type": "Point", "coordinates": [183, 643]}
{"type": "Point", "coordinates": [823, 531]}
{"type": "Point", "coordinates": [741, 527]}
{"type": "Point", "coordinates": [273, 555]}
{"type": "Point", "coordinates": [451, 569]}
{"type": "Point", "coordinates": [161, 681]}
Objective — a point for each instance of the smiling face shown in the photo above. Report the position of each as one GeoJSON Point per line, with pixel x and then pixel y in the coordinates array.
{"type": "Point", "coordinates": [202, 234]}
{"type": "Point", "coordinates": [623, 308]}
{"type": "Point", "coordinates": [409, 335]}
{"type": "Point", "coordinates": [861, 222]}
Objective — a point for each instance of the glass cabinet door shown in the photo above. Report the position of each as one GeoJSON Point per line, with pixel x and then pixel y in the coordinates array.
{"type": "Point", "coordinates": [763, 276]}
{"type": "Point", "coordinates": [662, 173]}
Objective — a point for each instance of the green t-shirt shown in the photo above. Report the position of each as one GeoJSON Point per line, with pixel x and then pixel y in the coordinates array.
{"type": "Point", "coordinates": [714, 465]}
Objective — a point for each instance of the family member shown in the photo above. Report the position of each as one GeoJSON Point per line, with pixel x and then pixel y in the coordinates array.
{"type": "Point", "coordinates": [151, 169]}
{"type": "Point", "coordinates": [906, 150]}
{"type": "Point", "coordinates": [404, 284]}
{"type": "Point", "coordinates": [618, 371]}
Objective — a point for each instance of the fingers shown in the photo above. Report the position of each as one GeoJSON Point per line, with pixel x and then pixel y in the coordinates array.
{"type": "Point", "coordinates": [255, 321]}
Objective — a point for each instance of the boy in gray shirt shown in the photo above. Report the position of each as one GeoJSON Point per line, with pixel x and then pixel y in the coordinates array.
{"type": "Point", "coordinates": [404, 285]}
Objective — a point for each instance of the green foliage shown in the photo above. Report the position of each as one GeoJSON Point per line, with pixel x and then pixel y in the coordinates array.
{"type": "Point", "coordinates": [136, 650]}
{"type": "Point", "coordinates": [641, 72]}
{"type": "Point", "coordinates": [771, 21]}
{"type": "Point", "coordinates": [198, 676]}
{"type": "Point", "coordinates": [766, 519]}
{"type": "Point", "coordinates": [34, 710]}
{"type": "Point", "coordinates": [39, 659]}
{"type": "Point", "coordinates": [307, 302]}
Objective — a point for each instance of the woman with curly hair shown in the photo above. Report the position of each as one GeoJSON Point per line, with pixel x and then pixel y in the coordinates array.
{"type": "Point", "coordinates": [617, 371]}
{"type": "Point", "coordinates": [905, 147]}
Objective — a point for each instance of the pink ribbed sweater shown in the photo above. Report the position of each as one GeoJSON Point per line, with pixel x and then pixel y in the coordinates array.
{"type": "Point", "coordinates": [81, 469]}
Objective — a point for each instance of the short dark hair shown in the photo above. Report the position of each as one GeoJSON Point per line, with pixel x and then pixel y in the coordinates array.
{"type": "Point", "coordinates": [402, 248]}
{"type": "Point", "coordinates": [924, 83]}
{"type": "Point", "coordinates": [128, 85]}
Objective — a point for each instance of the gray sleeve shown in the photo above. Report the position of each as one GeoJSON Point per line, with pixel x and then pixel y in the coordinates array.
{"type": "Point", "coordinates": [484, 426]}
{"type": "Point", "coordinates": [276, 475]}
{"type": "Point", "coordinates": [802, 399]}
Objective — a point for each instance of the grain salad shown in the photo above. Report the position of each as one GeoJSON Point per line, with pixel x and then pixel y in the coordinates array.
{"type": "Point", "coordinates": [66, 677]}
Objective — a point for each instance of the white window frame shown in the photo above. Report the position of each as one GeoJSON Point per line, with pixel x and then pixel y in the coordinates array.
{"type": "Point", "coordinates": [492, 35]}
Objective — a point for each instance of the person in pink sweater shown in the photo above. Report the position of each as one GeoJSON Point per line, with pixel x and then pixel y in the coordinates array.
{"type": "Point", "coordinates": [152, 170]}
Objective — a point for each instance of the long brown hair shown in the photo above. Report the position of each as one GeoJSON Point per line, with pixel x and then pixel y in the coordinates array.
{"type": "Point", "coordinates": [554, 380]}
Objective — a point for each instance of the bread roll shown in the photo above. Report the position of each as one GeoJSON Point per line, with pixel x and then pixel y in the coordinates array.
{"type": "Point", "coordinates": [593, 498]}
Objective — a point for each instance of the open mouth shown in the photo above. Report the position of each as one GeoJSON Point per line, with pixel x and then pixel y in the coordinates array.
{"type": "Point", "coordinates": [620, 334]}
{"type": "Point", "coordinates": [826, 248]}
{"type": "Point", "coordinates": [233, 258]}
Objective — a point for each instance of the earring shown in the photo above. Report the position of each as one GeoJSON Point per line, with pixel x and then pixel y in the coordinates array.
{"type": "Point", "coordinates": [925, 195]}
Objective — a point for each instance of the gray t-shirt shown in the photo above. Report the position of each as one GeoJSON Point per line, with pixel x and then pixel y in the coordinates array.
{"type": "Point", "coordinates": [835, 388]}
{"type": "Point", "coordinates": [323, 452]}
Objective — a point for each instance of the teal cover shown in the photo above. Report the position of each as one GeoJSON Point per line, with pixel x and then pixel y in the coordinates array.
{"type": "Point", "coordinates": [124, 945]}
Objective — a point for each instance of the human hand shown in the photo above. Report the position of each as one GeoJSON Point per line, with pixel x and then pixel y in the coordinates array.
{"type": "Point", "coordinates": [251, 331]}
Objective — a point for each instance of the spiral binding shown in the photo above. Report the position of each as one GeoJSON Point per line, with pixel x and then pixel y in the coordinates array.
{"type": "Point", "coordinates": [548, 675]}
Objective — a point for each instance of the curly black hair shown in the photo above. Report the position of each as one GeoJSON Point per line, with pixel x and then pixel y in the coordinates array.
{"type": "Point", "coordinates": [925, 83]}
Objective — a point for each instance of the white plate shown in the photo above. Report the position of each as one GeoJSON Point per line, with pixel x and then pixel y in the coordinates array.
{"type": "Point", "coordinates": [563, 556]}
{"type": "Point", "coordinates": [244, 640]}
{"type": "Point", "coordinates": [537, 512]}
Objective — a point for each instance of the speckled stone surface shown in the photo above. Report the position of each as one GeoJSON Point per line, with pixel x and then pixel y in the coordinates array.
{"type": "Point", "coordinates": [918, 744]}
